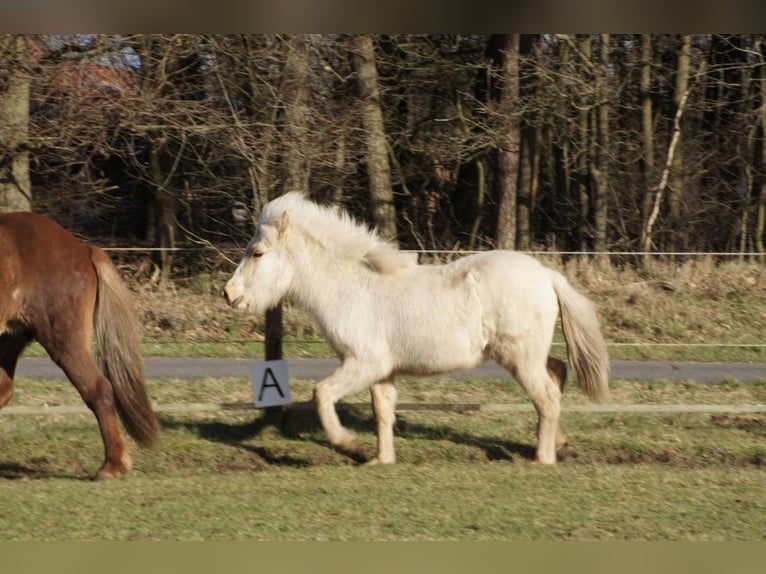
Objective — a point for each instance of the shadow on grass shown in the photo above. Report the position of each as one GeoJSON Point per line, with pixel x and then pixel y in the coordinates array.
{"type": "Point", "coordinates": [493, 448]}
{"type": "Point", "coordinates": [16, 471]}
{"type": "Point", "coordinates": [303, 424]}
{"type": "Point", "coordinates": [237, 435]}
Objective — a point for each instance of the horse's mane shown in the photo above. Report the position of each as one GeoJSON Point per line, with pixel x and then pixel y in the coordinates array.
{"type": "Point", "coordinates": [338, 232]}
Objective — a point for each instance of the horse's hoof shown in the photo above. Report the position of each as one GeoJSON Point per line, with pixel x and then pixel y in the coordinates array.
{"type": "Point", "coordinates": [109, 470]}
{"type": "Point", "coordinates": [108, 475]}
{"type": "Point", "coordinates": [375, 460]}
{"type": "Point", "coordinates": [544, 462]}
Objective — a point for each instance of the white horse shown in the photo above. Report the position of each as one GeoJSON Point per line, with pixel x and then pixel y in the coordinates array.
{"type": "Point", "coordinates": [385, 315]}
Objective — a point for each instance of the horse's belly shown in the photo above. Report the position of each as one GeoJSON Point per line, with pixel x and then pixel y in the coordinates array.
{"type": "Point", "coordinates": [435, 366]}
{"type": "Point", "coordinates": [439, 326]}
{"type": "Point", "coordinates": [441, 351]}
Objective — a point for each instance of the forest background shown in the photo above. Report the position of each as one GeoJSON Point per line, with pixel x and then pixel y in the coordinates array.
{"type": "Point", "coordinates": [612, 143]}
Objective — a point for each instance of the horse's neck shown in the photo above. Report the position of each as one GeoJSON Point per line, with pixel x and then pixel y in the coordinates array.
{"type": "Point", "coordinates": [322, 282]}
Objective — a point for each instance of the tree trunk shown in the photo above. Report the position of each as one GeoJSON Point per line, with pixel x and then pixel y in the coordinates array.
{"type": "Point", "coordinates": [599, 156]}
{"type": "Point", "coordinates": [582, 181]}
{"type": "Point", "coordinates": [158, 61]}
{"type": "Point", "coordinates": [506, 175]}
{"type": "Point", "coordinates": [562, 172]}
{"type": "Point", "coordinates": [746, 159]}
{"type": "Point", "coordinates": [525, 184]}
{"type": "Point", "coordinates": [760, 224]}
{"type": "Point", "coordinates": [664, 178]}
{"type": "Point", "coordinates": [163, 205]}
{"type": "Point", "coordinates": [340, 168]}
{"type": "Point", "coordinates": [295, 96]}
{"type": "Point", "coordinates": [378, 166]}
{"type": "Point", "coordinates": [295, 99]}
{"type": "Point", "coordinates": [15, 190]}
{"type": "Point", "coordinates": [677, 176]}
{"type": "Point", "coordinates": [647, 127]}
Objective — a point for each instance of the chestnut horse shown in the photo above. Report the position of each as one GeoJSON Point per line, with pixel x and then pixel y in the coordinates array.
{"type": "Point", "coordinates": [61, 292]}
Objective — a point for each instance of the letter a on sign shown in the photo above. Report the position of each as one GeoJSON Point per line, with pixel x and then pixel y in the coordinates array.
{"type": "Point", "coordinates": [271, 386]}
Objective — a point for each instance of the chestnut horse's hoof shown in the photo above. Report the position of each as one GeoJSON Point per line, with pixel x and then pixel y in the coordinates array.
{"type": "Point", "coordinates": [111, 470]}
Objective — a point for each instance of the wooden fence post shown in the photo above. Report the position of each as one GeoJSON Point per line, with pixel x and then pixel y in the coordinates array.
{"type": "Point", "coordinates": [274, 331]}
{"type": "Point", "coordinates": [273, 352]}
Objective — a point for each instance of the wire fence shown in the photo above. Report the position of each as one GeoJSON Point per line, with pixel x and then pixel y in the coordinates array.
{"type": "Point", "coordinates": [677, 345]}
{"type": "Point", "coordinates": [460, 252]}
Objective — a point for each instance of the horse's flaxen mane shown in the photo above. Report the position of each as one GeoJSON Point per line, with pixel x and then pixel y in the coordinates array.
{"type": "Point", "coordinates": [337, 232]}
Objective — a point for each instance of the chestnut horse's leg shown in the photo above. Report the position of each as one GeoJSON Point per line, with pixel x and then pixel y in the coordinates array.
{"type": "Point", "coordinates": [80, 367]}
{"type": "Point", "coordinates": [10, 349]}
{"type": "Point", "coordinates": [72, 353]}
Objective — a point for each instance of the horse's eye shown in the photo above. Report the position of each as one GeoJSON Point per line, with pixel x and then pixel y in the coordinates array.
{"type": "Point", "coordinates": [256, 253]}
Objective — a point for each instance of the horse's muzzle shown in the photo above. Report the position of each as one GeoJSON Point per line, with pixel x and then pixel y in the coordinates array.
{"type": "Point", "coordinates": [232, 302]}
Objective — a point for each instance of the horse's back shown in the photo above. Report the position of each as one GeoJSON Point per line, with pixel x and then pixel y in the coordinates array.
{"type": "Point", "coordinates": [42, 245]}
{"type": "Point", "coordinates": [446, 317]}
{"type": "Point", "coordinates": [44, 267]}
{"type": "Point", "coordinates": [516, 293]}
{"type": "Point", "coordinates": [502, 274]}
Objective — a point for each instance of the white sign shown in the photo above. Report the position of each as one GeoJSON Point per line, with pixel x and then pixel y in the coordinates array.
{"type": "Point", "coordinates": [271, 386]}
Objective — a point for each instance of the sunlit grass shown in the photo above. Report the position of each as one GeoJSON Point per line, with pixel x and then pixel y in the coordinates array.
{"type": "Point", "coordinates": [240, 475]}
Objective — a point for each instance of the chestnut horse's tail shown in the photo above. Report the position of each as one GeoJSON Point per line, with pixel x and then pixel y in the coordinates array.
{"type": "Point", "coordinates": [118, 339]}
{"type": "Point", "coordinates": [586, 349]}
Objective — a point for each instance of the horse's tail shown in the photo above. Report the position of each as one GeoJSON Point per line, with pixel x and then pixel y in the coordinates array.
{"type": "Point", "coordinates": [586, 349]}
{"type": "Point", "coordinates": [118, 339]}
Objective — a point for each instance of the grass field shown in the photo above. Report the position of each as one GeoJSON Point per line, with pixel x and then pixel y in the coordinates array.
{"type": "Point", "coordinates": [231, 475]}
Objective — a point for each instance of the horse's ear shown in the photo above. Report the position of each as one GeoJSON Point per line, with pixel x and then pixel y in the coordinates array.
{"type": "Point", "coordinates": [284, 223]}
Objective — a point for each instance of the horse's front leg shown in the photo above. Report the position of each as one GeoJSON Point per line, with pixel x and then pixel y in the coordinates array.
{"type": "Point", "coordinates": [352, 376]}
{"type": "Point", "coordinates": [383, 406]}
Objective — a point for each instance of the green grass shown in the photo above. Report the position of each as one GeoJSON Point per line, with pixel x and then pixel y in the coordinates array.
{"type": "Point", "coordinates": [679, 352]}
{"type": "Point", "coordinates": [290, 348]}
{"type": "Point", "coordinates": [232, 475]}
{"type": "Point", "coordinates": [438, 501]}
{"type": "Point", "coordinates": [224, 349]}
{"type": "Point", "coordinates": [316, 348]}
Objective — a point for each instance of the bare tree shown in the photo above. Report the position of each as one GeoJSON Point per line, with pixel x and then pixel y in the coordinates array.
{"type": "Point", "coordinates": [647, 130]}
{"type": "Point", "coordinates": [676, 181]}
{"type": "Point", "coordinates": [294, 95]}
{"type": "Point", "coordinates": [760, 226]}
{"type": "Point", "coordinates": [504, 51]}
{"type": "Point", "coordinates": [15, 190]}
{"type": "Point", "coordinates": [601, 148]}
{"type": "Point", "coordinates": [378, 166]}
{"type": "Point", "coordinates": [665, 177]}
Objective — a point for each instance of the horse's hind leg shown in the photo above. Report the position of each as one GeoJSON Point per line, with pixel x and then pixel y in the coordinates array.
{"type": "Point", "coordinates": [557, 370]}
{"type": "Point", "coordinates": [383, 406]}
{"type": "Point", "coordinates": [352, 376]}
{"type": "Point", "coordinates": [81, 369]}
{"type": "Point", "coordinates": [545, 394]}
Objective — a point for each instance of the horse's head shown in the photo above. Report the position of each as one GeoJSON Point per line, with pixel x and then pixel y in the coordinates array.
{"type": "Point", "coordinates": [264, 274]}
